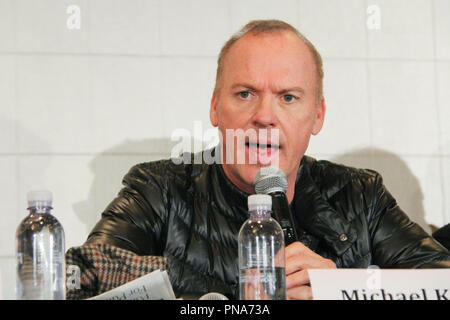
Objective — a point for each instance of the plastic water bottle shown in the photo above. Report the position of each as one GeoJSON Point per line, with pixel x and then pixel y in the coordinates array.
{"type": "Point", "coordinates": [262, 273]}
{"type": "Point", "coordinates": [40, 252]}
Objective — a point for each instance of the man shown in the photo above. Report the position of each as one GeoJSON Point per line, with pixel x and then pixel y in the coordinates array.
{"type": "Point", "coordinates": [269, 78]}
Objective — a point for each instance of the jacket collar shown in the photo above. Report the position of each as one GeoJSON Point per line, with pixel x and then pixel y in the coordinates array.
{"type": "Point", "coordinates": [227, 195]}
{"type": "Point", "coordinates": [315, 215]}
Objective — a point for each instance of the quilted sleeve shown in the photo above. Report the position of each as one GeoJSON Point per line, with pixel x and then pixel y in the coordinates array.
{"type": "Point", "coordinates": [136, 219]}
{"type": "Point", "coordinates": [398, 242]}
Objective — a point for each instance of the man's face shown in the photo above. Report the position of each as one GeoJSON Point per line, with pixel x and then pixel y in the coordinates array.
{"type": "Point", "coordinates": [268, 82]}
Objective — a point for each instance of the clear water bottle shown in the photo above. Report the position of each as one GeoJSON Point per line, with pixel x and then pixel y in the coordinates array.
{"type": "Point", "coordinates": [262, 273]}
{"type": "Point", "coordinates": [40, 252]}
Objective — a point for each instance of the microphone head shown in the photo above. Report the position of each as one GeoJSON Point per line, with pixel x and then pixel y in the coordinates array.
{"type": "Point", "coordinates": [213, 296]}
{"type": "Point", "coordinates": [270, 179]}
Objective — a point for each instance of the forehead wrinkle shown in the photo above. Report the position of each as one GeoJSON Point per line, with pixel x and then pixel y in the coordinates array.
{"type": "Point", "coordinates": [268, 65]}
{"type": "Point", "coordinates": [267, 83]}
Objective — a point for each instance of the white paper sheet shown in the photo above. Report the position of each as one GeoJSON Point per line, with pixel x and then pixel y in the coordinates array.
{"type": "Point", "coordinates": [153, 286]}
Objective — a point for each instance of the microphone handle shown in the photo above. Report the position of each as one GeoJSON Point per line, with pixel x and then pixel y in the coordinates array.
{"type": "Point", "coordinates": [282, 213]}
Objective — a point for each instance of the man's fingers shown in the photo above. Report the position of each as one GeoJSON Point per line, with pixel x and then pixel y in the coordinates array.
{"type": "Point", "coordinates": [297, 263]}
{"type": "Point", "coordinates": [295, 248]}
{"type": "Point", "coordinates": [297, 279]}
{"type": "Point", "coordinates": [300, 293]}
{"type": "Point", "coordinates": [306, 261]}
{"type": "Point", "coordinates": [300, 257]}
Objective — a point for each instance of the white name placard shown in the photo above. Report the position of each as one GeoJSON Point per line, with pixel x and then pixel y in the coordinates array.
{"type": "Point", "coordinates": [380, 284]}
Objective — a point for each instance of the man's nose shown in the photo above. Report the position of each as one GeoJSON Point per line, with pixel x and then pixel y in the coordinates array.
{"type": "Point", "coordinates": [264, 115]}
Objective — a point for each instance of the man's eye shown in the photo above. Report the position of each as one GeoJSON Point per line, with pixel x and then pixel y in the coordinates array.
{"type": "Point", "coordinates": [244, 94]}
{"type": "Point", "coordinates": [288, 98]}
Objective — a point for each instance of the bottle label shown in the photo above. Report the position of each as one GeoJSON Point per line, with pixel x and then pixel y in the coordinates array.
{"type": "Point", "coordinates": [255, 276]}
{"type": "Point", "coordinates": [262, 283]}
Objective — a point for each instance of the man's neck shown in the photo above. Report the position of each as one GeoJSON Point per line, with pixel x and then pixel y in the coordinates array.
{"type": "Point", "coordinates": [239, 183]}
{"type": "Point", "coordinates": [291, 188]}
{"type": "Point", "coordinates": [250, 189]}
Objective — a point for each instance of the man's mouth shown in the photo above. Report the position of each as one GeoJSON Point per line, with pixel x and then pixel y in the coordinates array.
{"type": "Point", "coordinates": [262, 145]}
{"type": "Point", "coordinates": [262, 153]}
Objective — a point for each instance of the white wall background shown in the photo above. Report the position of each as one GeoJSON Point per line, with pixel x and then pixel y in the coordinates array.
{"type": "Point", "coordinates": [79, 107]}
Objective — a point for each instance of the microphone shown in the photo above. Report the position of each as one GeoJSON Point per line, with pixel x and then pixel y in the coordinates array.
{"type": "Point", "coordinates": [213, 296]}
{"type": "Point", "coordinates": [273, 181]}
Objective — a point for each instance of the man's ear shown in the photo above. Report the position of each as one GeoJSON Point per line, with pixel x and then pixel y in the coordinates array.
{"type": "Point", "coordinates": [320, 117]}
{"type": "Point", "coordinates": [213, 110]}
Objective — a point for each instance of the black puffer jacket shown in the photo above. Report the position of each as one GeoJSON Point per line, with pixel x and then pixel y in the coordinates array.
{"type": "Point", "coordinates": [443, 235]}
{"type": "Point", "coordinates": [192, 214]}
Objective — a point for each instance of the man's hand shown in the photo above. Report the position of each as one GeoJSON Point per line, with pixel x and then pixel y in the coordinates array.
{"type": "Point", "coordinates": [299, 258]}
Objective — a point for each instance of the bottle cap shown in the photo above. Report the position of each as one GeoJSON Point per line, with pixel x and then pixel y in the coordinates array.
{"type": "Point", "coordinates": [260, 201]}
{"type": "Point", "coordinates": [39, 198]}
